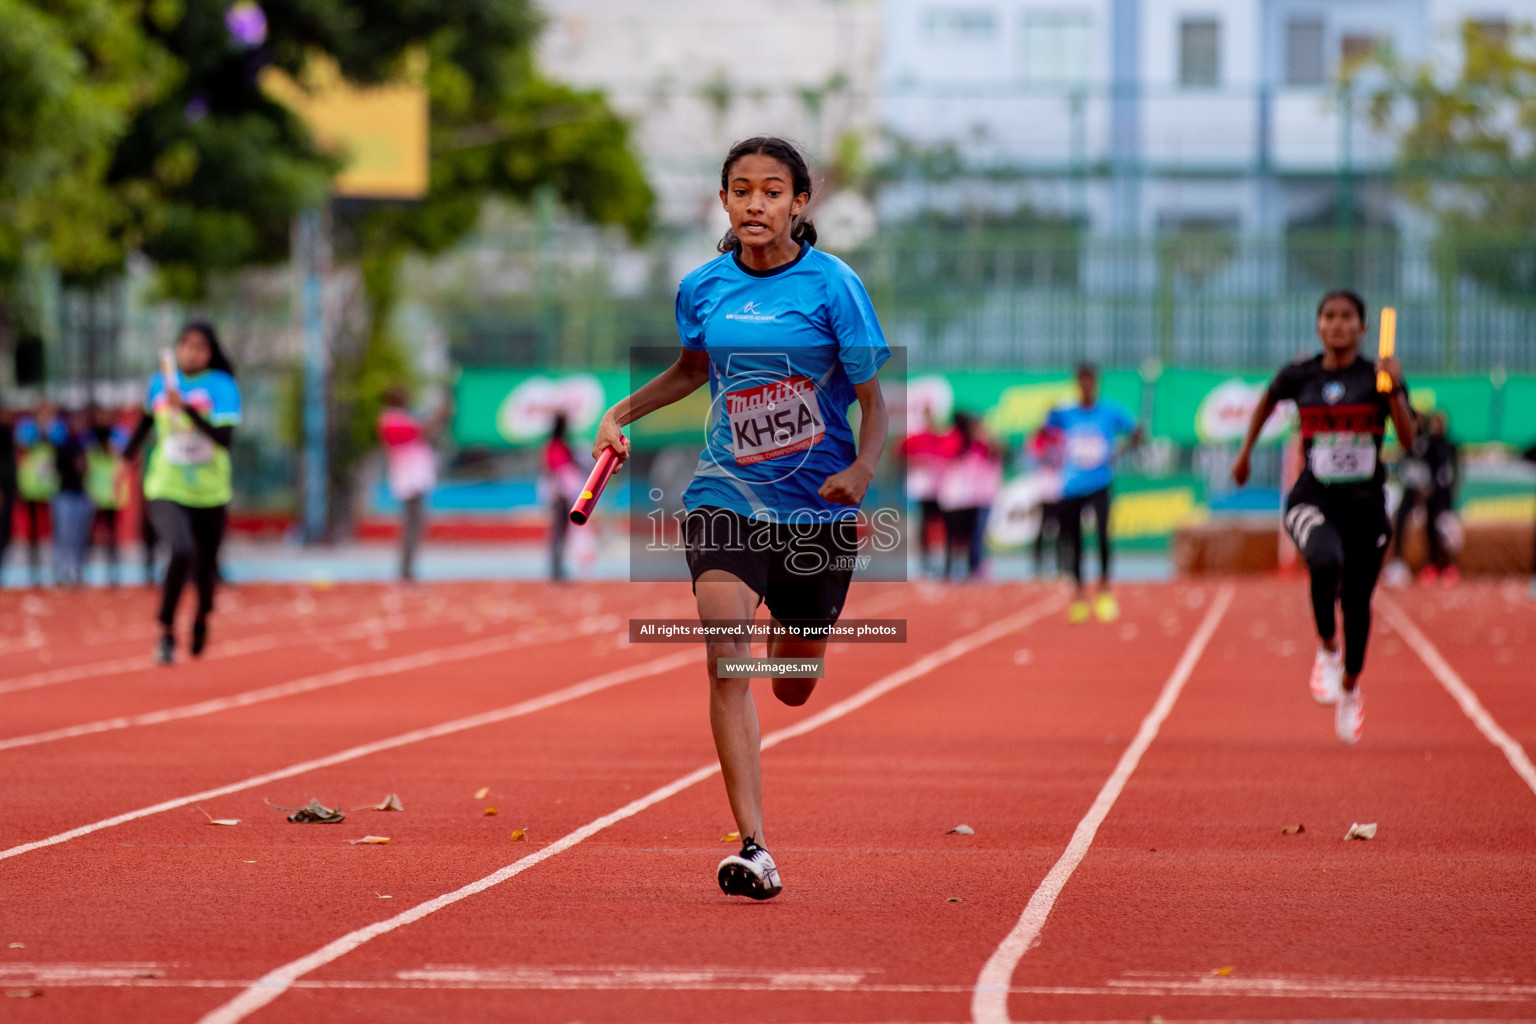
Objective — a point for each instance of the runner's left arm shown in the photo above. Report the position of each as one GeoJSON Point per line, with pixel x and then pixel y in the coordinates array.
{"type": "Point", "coordinates": [222, 436]}
{"type": "Point", "coordinates": [848, 486]}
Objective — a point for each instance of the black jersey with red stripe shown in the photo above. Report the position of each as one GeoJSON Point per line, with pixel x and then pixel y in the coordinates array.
{"type": "Point", "coordinates": [1343, 419]}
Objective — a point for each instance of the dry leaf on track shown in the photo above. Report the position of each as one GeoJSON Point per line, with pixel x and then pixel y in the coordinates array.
{"type": "Point", "coordinates": [370, 840]}
{"type": "Point", "coordinates": [731, 837]}
{"type": "Point", "coordinates": [219, 821]}
{"type": "Point", "coordinates": [1359, 831]}
{"type": "Point", "coordinates": [519, 835]}
{"type": "Point", "coordinates": [1293, 830]}
{"type": "Point", "coordinates": [23, 993]}
{"type": "Point", "coordinates": [390, 803]}
{"type": "Point", "coordinates": [489, 812]}
{"type": "Point", "coordinates": [313, 813]}
{"type": "Point", "coordinates": [482, 792]}
{"type": "Point", "coordinates": [961, 830]}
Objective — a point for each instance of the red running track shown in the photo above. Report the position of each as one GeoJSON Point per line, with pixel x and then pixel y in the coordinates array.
{"type": "Point", "coordinates": [1189, 902]}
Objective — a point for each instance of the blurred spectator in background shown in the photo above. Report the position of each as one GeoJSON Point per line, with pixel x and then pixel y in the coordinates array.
{"type": "Point", "coordinates": [73, 512]}
{"type": "Point", "coordinates": [106, 478]}
{"type": "Point", "coordinates": [927, 451]}
{"type": "Point", "coordinates": [37, 478]}
{"type": "Point", "coordinates": [560, 482]}
{"type": "Point", "coordinates": [149, 537]}
{"type": "Point", "coordinates": [7, 482]}
{"type": "Point", "coordinates": [1046, 452]}
{"type": "Point", "coordinates": [412, 467]}
{"type": "Point", "coordinates": [1429, 473]}
{"type": "Point", "coordinates": [1091, 431]}
{"type": "Point", "coordinates": [971, 479]}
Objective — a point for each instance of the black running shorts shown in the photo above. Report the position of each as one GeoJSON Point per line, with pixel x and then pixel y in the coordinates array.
{"type": "Point", "coordinates": [802, 570]}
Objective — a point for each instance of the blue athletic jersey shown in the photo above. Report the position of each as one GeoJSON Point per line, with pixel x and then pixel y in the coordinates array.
{"type": "Point", "coordinates": [786, 348]}
{"type": "Point", "coordinates": [1088, 444]}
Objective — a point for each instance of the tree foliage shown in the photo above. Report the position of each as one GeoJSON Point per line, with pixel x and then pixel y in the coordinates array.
{"type": "Point", "coordinates": [1468, 150]}
{"type": "Point", "coordinates": [73, 74]}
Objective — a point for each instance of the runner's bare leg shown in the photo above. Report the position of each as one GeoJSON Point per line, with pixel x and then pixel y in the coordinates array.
{"type": "Point", "coordinates": [732, 713]}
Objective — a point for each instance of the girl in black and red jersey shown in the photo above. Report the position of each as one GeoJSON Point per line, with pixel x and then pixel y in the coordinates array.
{"type": "Point", "coordinates": [1337, 512]}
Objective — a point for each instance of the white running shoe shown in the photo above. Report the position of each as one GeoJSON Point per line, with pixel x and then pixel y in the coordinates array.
{"type": "Point", "coordinates": [1327, 680]}
{"type": "Point", "coordinates": [751, 872]}
{"type": "Point", "coordinates": [1349, 716]}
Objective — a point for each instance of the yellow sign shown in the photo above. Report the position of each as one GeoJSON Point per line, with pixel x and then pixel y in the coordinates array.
{"type": "Point", "coordinates": [381, 131]}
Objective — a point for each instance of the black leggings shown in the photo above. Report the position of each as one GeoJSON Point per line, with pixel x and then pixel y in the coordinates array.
{"type": "Point", "coordinates": [1072, 531]}
{"type": "Point", "coordinates": [194, 536]}
{"type": "Point", "coordinates": [1343, 553]}
{"type": "Point", "coordinates": [107, 518]}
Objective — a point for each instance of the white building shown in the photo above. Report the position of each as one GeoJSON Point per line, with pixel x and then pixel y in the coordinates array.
{"type": "Point", "coordinates": [1139, 115]}
{"type": "Point", "coordinates": [698, 75]}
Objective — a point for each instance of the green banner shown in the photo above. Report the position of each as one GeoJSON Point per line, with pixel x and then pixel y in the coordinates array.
{"type": "Point", "coordinates": [1517, 424]}
{"type": "Point", "coordinates": [1013, 405]}
{"type": "Point", "coordinates": [514, 408]}
{"type": "Point", "coordinates": [1193, 407]}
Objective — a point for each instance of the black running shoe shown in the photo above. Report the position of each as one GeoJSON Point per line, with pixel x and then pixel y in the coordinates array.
{"type": "Point", "coordinates": [199, 637]}
{"type": "Point", "coordinates": [750, 873]}
{"type": "Point", "coordinates": [165, 650]}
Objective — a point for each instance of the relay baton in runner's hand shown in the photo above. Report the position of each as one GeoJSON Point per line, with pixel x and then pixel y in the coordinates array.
{"type": "Point", "coordinates": [607, 464]}
{"type": "Point", "coordinates": [1387, 347]}
{"type": "Point", "coordinates": [168, 375]}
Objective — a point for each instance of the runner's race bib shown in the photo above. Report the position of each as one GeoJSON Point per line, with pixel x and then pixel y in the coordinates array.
{"type": "Point", "coordinates": [774, 419]}
{"type": "Point", "coordinates": [188, 448]}
{"type": "Point", "coordinates": [1343, 458]}
{"type": "Point", "coordinates": [1086, 449]}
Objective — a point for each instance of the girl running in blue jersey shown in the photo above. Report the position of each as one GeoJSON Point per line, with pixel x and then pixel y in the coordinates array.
{"type": "Point", "coordinates": [787, 339]}
{"type": "Point", "coordinates": [188, 486]}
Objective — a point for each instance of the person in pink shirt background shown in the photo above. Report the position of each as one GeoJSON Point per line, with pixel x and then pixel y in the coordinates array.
{"type": "Point", "coordinates": [928, 452]}
{"type": "Point", "coordinates": [560, 482]}
{"type": "Point", "coordinates": [412, 468]}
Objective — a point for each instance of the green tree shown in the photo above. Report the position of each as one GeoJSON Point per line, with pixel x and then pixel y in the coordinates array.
{"type": "Point", "coordinates": [1466, 151]}
{"type": "Point", "coordinates": [73, 73]}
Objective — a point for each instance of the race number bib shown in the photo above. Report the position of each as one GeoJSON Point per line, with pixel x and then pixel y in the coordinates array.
{"type": "Point", "coordinates": [1087, 449]}
{"type": "Point", "coordinates": [1343, 458]}
{"type": "Point", "coordinates": [188, 449]}
{"type": "Point", "coordinates": [775, 419]}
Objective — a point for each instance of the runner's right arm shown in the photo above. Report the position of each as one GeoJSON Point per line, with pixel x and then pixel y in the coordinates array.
{"type": "Point", "coordinates": [1279, 388]}
{"type": "Point", "coordinates": [675, 383]}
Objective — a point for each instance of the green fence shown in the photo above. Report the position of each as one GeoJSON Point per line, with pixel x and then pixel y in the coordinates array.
{"type": "Point", "coordinates": [1024, 297]}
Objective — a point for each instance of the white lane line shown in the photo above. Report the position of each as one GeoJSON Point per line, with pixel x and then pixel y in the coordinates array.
{"type": "Point", "coordinates": [376, 626]}
{"type": "Point", "coordinates": [309, 684]}
{"type": "Point", "coordinates": [526, 707]}
{"type": "Point", "coordinates": [275, 982]}
{"type": "Point", "coordinates": [1460, 692]}
{"type": "Point", "coordinates": [989, 1002]}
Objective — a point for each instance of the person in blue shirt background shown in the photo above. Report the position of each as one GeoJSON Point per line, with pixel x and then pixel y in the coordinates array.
{"type": "Point", "coordinates": [787, 339]}
{"type": "Point", "coordinates": [1090, 433]}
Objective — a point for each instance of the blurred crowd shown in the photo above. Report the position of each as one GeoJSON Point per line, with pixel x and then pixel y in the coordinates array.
{"type": "Point", "coordinates": [954, 473]}
{"type": "Point", "coordinates": [64, 480]}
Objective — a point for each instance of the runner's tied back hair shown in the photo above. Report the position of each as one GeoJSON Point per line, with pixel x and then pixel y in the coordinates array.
{"type": "Point", "coordinates": [785, 152]}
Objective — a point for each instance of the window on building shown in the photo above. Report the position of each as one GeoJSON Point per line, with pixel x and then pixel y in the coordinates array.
{"type": "Point", "coordinates": [1055, 48]}
{"type": "Point", "coordinates": [1199, 52]}
{"type": "Point", "coordinates": [951, 25]}
{"type": "Point", "coordinates": [1304, 62]}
